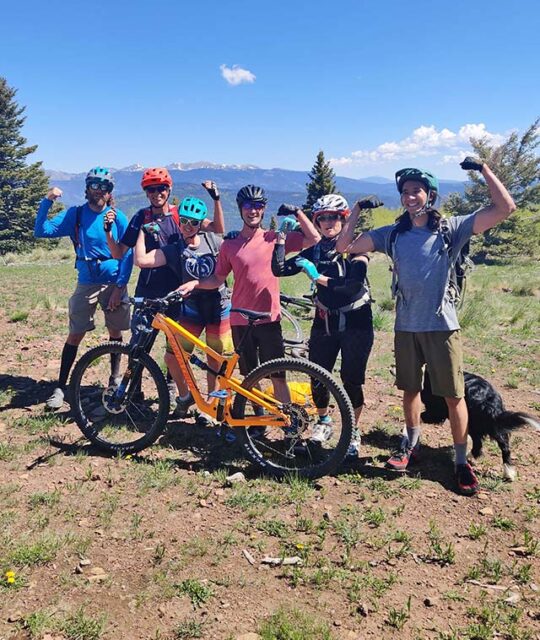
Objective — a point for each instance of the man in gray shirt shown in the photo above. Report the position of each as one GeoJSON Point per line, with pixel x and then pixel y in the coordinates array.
{"type": "Point", "coordinates": [426, 328]}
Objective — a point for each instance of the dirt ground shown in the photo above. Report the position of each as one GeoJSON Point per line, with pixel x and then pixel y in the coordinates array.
{"type": "Point", "coordinates": [164, 546]}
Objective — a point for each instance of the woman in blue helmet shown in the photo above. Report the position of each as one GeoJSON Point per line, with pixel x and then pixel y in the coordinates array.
{"type": "Point", "coordinates": [193, 257]}
{"type": "Point", "coordinates": [424, 247]}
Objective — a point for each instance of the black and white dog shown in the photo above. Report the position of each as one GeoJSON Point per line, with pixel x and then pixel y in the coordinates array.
{"type": "Point", "coordinates": [487, 416]}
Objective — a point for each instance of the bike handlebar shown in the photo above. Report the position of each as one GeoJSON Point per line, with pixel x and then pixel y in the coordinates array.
{"type": "Point", "coordinates": [305, 301]}
{"type": "Point", "coordinates": [156, 303]}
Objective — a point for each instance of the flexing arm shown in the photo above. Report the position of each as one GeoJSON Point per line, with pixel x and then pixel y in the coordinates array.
{"type": "Point", "coordinates": [347, 243]}
{"type": "Point", "coordinates": [311, 235]}
{"type": "Point", "coordinates": [154, 258]}
{"type": "Point", "coordinates": [61, 225]}
{"type": "Point", "coordinates": [217, 225]}
{"type": "Point", "coordinates": [502, 203]}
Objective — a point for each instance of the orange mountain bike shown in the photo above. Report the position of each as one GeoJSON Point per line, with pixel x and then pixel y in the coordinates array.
{"type": "Point", "coordinates": [127, 414]}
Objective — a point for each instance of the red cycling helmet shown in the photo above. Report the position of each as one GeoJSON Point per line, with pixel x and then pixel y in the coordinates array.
{"type": "Point", "coordinates": [156, 175]}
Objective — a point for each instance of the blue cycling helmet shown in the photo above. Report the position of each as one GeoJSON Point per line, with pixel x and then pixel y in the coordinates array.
{"type": "Point", "coordinates": [193, 208]}
{"type": "Point", "coordinates": [100, 174]}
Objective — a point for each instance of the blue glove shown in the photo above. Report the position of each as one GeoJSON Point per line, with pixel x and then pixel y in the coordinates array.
{"type": "Point", "coordinates": [231, 235]}
{"type": "Point", "coordinates": [308, 268]}
{"type": "Point", "coordinates": [290, 223]}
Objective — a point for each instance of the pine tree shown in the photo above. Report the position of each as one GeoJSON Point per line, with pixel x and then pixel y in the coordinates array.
{"type": "Point", "coordinates": [322, 181]}
{"type": "Point", "coordinates": [22, 185]}
{"type": "Point", "coordinates": [517, 166]}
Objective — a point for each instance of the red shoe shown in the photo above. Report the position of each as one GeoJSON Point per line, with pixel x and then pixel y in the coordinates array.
{"type": "Point", "coordinates": [467, 482]}
{"type": "Point", "coordinates": [402, 458]}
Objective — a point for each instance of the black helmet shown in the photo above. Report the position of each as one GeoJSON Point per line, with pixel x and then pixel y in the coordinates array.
{"type": "Point", "coordinates": [250, 193]}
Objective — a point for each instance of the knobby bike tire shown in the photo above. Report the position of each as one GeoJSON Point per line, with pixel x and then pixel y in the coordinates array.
{"type": "Point", "coordinates": [88, 389]}
{"type": "Point", "coordinates": [278, 453]}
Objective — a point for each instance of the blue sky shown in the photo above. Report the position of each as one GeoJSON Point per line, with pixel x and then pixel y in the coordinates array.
{"type": "Point", "coordinates": [377, 85]}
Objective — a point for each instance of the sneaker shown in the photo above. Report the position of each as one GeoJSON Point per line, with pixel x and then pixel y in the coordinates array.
{"type": "Point", "coordinates": [171, 386]}
{"type": "Point", "coordinates": [403, 457]}
{"type": "Point", "coordinates": [182, 407]}
{"type": "Point", "coordinates": [56, 400]}
{"type": "Point", "coordinates": [467, 483]}
{"type": "Point", "coordinates": [322, 431]}
{"type": "Point", "coordinates": [353, 450]}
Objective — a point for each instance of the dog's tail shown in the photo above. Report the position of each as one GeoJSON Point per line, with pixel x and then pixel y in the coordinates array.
{"type": "Point", "coordinates": [509, 420]}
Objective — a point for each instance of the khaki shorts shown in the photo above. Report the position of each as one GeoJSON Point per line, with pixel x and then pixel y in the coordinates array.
{"type": "Point", "coordinates": [442, 353]}
{"type": "Point", "coordinates": [82, 308]}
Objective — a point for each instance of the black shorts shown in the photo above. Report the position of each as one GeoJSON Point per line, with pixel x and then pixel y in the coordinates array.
{"type": "Point", "coordinates": [264, 343]}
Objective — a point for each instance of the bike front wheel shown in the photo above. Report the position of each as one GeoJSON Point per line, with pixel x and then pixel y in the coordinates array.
{"type": "Point", "coordinates": [305, 447]}
{"type": "Point", "coordinates": [124, 414]}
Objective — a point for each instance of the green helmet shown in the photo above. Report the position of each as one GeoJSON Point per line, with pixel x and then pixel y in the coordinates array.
{"type": "Point", "coordinates": [427, 179]}
{"type": "Point", "coordinates": [100, 174]}
{"type": "Point", "coordinates": [193, 208]}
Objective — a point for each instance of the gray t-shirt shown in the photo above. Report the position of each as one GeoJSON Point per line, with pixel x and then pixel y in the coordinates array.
{"type": "Point", "coordinates": [422, 267]}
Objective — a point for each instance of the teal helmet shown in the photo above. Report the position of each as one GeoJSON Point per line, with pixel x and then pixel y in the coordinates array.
{"type": "Point", "coordinates": [100, 174]}
{"type": "Point", "coordinates": [425, 177]}
{"type": "Point", "coordinates": [193, 208]}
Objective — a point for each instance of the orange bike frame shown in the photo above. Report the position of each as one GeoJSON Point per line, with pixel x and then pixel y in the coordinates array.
{"type": "Point", "coordinates": [274, 417]}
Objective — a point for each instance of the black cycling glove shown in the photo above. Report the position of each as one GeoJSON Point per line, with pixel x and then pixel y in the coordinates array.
{"type": "Point", "coordinates": [288, 210]}
{"type": "Point", "coordinates": [370, 202]}
{"type": "Point", "coordinates": [213, 191]}
{"type": "Point", "coordinates": [471, 164]}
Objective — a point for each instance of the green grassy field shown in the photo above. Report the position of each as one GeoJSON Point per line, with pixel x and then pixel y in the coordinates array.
{"type": "Point", "coordinates": [154, 546]}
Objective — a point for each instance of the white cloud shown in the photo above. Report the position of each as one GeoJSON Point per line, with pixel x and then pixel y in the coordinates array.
{"type": "Point", "coordinates": [423, 141]}
{"type": "Point", "coordinates": [236, 75]}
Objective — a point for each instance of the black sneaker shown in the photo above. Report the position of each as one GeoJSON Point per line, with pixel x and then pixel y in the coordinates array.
{"type": "Point", "coordinates": [467, 482]}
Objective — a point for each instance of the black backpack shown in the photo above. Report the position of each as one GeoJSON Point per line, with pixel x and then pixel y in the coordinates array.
{"type": "Point", "coordinates": [460, 264]}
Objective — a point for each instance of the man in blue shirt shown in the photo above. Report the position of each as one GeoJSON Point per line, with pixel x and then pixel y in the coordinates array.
{"type": "Point", "coordinates": [101, 278]}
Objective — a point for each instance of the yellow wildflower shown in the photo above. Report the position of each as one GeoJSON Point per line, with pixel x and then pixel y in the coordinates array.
{"type": "Point", "coordinates": [10, 577]}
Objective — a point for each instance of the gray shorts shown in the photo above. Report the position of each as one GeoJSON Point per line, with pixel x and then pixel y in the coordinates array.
{"type": "Point", "coordinates": [441, 351]}
{"type": "Point", "coordinates": [83, 304]}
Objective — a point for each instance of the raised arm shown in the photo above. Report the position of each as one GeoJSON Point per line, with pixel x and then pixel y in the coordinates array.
{"type": "Point", "coordinates": [144, 260]}
{"type": "Point", "coordinates": [502, 203]}
{"type": "Point", "coordinates": [347, 243]}
{"type": "Point", "coordinates": [217, 225]}
{"type": "Point", "coordinates": [311, 235]}
{"type": "Point", "coordinates": [63, 224]}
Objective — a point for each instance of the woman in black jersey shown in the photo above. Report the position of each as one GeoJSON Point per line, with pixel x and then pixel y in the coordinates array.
{"type": "Point", "coordinates": [343, 321]}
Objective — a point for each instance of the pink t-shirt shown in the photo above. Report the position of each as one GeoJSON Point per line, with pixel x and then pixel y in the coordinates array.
{"type": "Point", "coordinates": [250, 260]}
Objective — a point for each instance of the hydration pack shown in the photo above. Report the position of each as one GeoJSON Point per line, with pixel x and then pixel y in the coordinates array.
{"type": "Point", "coordinates": [460, 263]}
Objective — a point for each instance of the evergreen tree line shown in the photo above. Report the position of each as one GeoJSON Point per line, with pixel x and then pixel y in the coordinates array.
{"type": "Point", "coordinates": [515, 162]}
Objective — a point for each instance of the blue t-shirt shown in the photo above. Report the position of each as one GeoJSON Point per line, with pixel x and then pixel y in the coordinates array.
{"type": "Point", "coordinates": [94, 262]}
{"type": "Point", "coordinates": [156, 282]}
{"type": "Point", "coordinates": [422, 267]}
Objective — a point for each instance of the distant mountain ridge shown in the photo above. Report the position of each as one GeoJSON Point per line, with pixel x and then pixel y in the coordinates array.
{"type": "Point", "coordinates": [233, 177]}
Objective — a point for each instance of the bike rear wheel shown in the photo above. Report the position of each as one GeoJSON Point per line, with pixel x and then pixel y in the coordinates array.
{"type": "Point", "coordinates": [122, 415]}
{"type": "Point", "coordinates": [292, 450]}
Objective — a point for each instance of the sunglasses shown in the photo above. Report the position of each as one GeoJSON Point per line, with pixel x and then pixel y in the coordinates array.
{"type": "Point", "coordinates": [258, 206]}
{"type": "Point", "coordinates": [329, 217]}
{"type": "Point", "coordinates": [191, 221]}
{"type": "Point", "coordinates": [160, 188]}
{"type": "Point", "coordinates": [99, 186]}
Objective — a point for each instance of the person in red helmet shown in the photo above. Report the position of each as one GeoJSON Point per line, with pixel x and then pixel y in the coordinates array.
{"type": "Point", "coordinates": [160, 223]}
